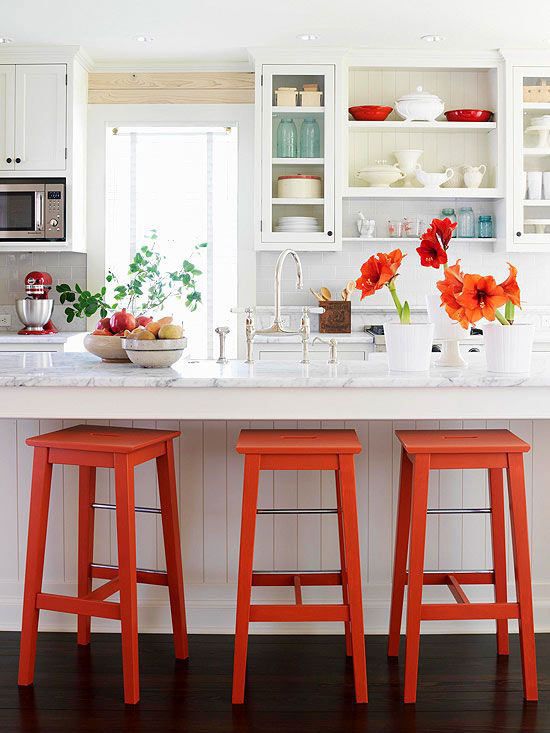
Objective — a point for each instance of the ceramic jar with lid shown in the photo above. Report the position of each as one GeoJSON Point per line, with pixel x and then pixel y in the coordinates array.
{"type": "Point", "coordinates": [381, 174]}
{"type": "Point", "coordinates": [420, 106]}
{"type": "Point", "coordinates": [299, 186]}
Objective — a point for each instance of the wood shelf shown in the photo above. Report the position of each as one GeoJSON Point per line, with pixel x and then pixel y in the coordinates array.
{"type": "Point", "coordinates": [300, 202]}
{"type": "Point", "coordinates": [298, 110]}
{"type": "Point", "coordinates": [536, 105]}
{"type": "Point", "coordinates": [443, 126]}
{"type": "Point", "coordinates": [375, 241]}
{"type": "Point", "coordinates": [297, 161]}
{"type": "Point", "coordinates": [367, 192]}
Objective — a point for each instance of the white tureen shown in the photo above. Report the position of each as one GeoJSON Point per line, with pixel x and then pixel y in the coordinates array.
{"type": "Point", "coordinates": [420, 106]}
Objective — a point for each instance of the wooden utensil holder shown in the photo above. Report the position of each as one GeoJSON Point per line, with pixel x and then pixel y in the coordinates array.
{"type": "Point", "coordinates": [336, 316]}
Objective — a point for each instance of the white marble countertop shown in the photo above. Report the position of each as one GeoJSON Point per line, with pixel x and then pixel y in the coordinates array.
{"type": "Point", "coordinates": [12, 337]}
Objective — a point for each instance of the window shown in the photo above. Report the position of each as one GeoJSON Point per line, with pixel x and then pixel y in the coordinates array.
{"type": "Point", "coordinates": [181, 181]}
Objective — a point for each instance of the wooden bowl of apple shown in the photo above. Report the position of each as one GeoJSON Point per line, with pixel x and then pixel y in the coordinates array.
{"type": "Point", "coordinates": [105, 341]}
{"type": "Point", "coordinates": [157, 345]}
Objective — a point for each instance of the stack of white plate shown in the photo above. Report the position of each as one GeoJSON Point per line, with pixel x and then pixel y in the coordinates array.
{"type": "Point", "coordinates": [298, 224]}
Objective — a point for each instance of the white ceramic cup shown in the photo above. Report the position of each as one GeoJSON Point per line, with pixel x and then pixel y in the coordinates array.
{"type": "Point", "coordinates": [534, 185]}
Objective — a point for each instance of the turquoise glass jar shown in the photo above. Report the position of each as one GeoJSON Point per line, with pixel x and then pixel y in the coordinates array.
{"type": "Point", "coordinates": [287, 139]}
{"type": "Point", "coordinates": [449, 214]}
{"type": "Point", "coordinates": [485, 226]}
{"type": "Point", "coordinates": [466, 223]}
{"type": "Point", "coordinates": [310, 138]}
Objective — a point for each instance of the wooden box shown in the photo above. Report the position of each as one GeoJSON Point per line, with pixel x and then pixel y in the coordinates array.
{"type": "Point", "coordinates": [336, 317]}
{"type": "Point", "coordinates": [538, 93]}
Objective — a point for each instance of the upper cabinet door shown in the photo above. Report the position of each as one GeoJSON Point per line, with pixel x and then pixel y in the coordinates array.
{"type": "Point", "coordinates": [7, 117]}
{"type": "Point", "coordinates": [40, 117]}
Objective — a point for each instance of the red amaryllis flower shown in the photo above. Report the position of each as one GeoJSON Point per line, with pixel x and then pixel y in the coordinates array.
{"type": "Point", "coordinates": [480, 297]}
{"type": "Point", "coordinates": [435, 242]}
{"type": "Point", "coordinates": [449, 288]}
{"type": "Point", "coordinates": [510, 286]}
{"type": "Point", "coordinates": [378, 271]}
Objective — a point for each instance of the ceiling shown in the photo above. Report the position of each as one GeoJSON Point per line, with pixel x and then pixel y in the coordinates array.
{"type": "Point", "coordinates": [217, 32]}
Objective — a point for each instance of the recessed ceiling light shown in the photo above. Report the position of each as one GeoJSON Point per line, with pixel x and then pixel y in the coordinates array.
{"type": "Point", "coordinates": [432, 38]}
{"type": "Point", "coordinates": [307, 37]}
{"type": "Point", "coordinates": [3, 39]}
{"type": "Point", "coordinates": [144, 39]}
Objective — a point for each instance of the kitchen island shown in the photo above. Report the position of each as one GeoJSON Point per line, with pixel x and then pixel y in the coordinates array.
{"type": "Point", "coordinates": [78, 385]}
{"type": "Point", "coordinates": [210, 404]}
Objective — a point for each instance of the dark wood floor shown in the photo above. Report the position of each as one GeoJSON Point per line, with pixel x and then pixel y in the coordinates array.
{"type": "Point", "coordinates": [295, 683]}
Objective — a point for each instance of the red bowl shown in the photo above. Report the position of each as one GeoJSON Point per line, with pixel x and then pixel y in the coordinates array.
{"type": "Point", "coordinates": [370, 112]}
{"type": "Point", "coordinates": [468, 115]}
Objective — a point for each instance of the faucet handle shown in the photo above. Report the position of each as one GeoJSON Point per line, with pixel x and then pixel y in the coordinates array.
{"type": "Point", "coordinates": [222, 332]}
{"type": "Point", "coordinates": [333, 344]}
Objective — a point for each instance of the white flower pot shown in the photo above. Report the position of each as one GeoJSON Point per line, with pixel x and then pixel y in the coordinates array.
{"type": "Point", "coordinates": [508, 348]}
{"type": "Point", "coordinates": [409, 346]}
{"type": "Point", "coordinates": [447, 331]}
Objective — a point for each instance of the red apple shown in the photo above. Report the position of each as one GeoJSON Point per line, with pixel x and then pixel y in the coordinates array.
{"type": "Point", "coordinates": [122, 321]}
{"type": "Point", "coordinates": [104, 324]}
{"type": "Point", "coordinates": [143, 320]}
{"type": "Point", "coordinates": [102, 332]}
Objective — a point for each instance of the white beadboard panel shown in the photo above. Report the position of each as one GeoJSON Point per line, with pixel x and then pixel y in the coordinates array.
{"type": "Point", "coordinates": [210, 476]}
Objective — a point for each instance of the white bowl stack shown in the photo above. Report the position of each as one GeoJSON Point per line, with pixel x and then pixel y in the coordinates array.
{"type": "Point", "coordinates": [298, 224]}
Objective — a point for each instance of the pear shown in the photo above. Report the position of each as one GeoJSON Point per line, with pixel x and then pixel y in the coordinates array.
{"type": "Point", "coordinates": [153, 327]}
{"type": "Point", "coordinates": [145, 335]}
{"type": "Point", "coordinates": [165, 321]}
{"type": "Point", "coordinates": [170, 331]}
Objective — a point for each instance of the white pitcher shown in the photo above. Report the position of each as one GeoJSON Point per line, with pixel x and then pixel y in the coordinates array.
{"type": "Point", "coordinates": [473, 175]}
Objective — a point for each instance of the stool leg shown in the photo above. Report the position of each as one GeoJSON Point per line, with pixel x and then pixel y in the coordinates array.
{"type": "Point", "coordinates": [86, 497]}
{"type": "Point", "coordinates": [520, 542]}
{"type": "Point", "coordinates": [498, 540]}
{"type": "Point", "coordinates": [419, 508]}
{"type": "Point", "coordinates": [246, 561]}
{"type": "Point", "coordinates": [126, 539]}
{"type": "Point", "coordinates": [34, 569]}
{"type": "Point", "coordinates": [353, 572]}
{"type": "Point", "coordinates": [172, 548]}
{"type": "Point", "coordinates": [343, 568]}
{"type": "Point", "coordinates": [400, 557]}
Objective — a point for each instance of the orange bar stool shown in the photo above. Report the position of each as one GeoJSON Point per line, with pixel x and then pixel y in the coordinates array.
{"type": "Point", "coordinates": [90, 447]}
{"type": "Point", "coordinates": [494, 450]}
{"type": "Point", "coordinates": [301, 450]}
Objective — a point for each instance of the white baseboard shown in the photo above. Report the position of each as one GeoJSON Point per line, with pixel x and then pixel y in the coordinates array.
{"type": "Point", "coordinates": [211, 610]}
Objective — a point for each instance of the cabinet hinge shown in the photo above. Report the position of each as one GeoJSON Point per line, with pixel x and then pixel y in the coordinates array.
{"type": "Point", "coordinates": [261, 225]}
{"type": "Point", "coordinates": [65, 153]}
{"type": "Point", "coordinates": [261, 80]}
{"type": "Point", "coordinates": [66, 79]}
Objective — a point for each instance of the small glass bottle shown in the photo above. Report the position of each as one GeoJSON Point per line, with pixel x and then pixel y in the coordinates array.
{"type": "Point", "coordinates": [310, 139]}
{"type": "Point", "coordinates": [485, 226]}
{"type": "Point", "coordinates": [449, 214]}
{"type": "Point", "coordinates": [466, 223]}
{"type": "Point", "coordinates": [287, 139]}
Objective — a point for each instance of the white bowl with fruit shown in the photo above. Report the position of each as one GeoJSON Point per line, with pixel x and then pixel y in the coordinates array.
{"type": "Point", "coordinates": [105, 341]}
{"type": "Point", "coordinates": [156, 345]}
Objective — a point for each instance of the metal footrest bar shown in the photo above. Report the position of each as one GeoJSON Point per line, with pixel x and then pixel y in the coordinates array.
{"type": "Point", "coordinates": [486, 510]}
{"type": "Point", "coordinates": [297, 511]}
{"type": "Point", "coordinates": [300, 572]}
{"type": "Point", "coordinates": [140, 509]}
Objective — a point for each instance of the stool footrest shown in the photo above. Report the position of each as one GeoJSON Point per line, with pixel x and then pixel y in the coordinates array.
{"type": "Point", "coordinates": [297, 511]}
{"type": "Point", "coordinates": [82, 606]}
{"type": "Point", "coordinates": [467, 611]}
{"type": "Point", "coordinates": [148, 577]}
{"type": "Point", "coordinates": [462, 510]}
{"type": "Point", "coordinates": [332, 577]}
{"type": "Point", "coordinates": [464, 577]}
{"type": "Point", "coordinates": [138, 509]}
{"type": "Point", "coordinates": [307, 612]}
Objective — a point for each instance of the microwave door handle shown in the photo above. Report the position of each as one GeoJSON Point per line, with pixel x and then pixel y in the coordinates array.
{"type": "Point", "coordinates": [39, 211]}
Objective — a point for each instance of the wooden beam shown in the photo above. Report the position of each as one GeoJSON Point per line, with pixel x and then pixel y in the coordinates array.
{"type": "Point", "coordinates": [456, 590]}
{"type": "Point", "coordinates": [172, 88]}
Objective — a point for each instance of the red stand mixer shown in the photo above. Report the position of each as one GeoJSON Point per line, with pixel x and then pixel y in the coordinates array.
{"type": "Point", "coordinates": [35, 310]}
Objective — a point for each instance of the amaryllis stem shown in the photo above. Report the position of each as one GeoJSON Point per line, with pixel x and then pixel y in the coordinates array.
{"type": "Point", "coordinates": [393, 291]}
{"type": "Point", "coordinates": [500, 317]}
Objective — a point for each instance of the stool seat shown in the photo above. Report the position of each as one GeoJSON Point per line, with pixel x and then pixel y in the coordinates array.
{"type": "Point", "coordinates": [461, 441]}
{"type": "Point", "coordinates": [102, 438]}
{"type": "Point", "coordinates": [298, 442]}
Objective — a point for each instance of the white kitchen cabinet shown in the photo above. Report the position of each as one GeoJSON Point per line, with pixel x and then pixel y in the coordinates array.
{"type": "Point", "coordinates": [40, 117]}
{"type": "Point", "coordinates": [7, 116]}
{"type": "Point", "coordinates": [270, 208]}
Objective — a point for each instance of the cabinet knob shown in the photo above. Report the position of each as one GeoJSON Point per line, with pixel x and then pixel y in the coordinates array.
{"type": "Point", "coordinates": [518, 234]}
{"type": "Point", "coordinates": [8, 160]}
{"type": "Point", "coordinates": [18, 160]}
{"type": "Point", "coordinates": [329, 234]}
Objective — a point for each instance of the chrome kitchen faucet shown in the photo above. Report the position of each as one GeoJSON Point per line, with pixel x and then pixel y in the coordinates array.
{"type": "Point", "coordinates": [277, 325]}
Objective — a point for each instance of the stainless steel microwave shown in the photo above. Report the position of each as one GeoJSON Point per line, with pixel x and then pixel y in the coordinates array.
{"type": "Point", "coordinates": [32, 209]}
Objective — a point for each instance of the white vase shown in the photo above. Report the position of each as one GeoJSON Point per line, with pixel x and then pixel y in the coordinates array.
{"type": "Point", "coordinates": [407, 160]}
{"type": "Point", "coordinates": [409, 346]}
{"type": "Point", "coordinates": [508, 349]}
{"type": "Point", "coordinates": [447, 331]}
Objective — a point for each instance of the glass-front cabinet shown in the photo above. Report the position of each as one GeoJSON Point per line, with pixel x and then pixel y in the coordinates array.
{"type": "Point", "coordinates": [297, 207]}
{"type": "Point", "coordinates": [531, 164]}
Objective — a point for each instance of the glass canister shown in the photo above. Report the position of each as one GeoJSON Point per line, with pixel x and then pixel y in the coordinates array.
{"type": "Point", "coordinates": [287, 139]}
{"type": "Point", "coordinates": [485, 226]}
{"type": "Point", "coordinates": [450, 214]}
{"type": "Point", "coordinates": [466, 223]}
{"type": "Point", "coordinates": [310, 138]}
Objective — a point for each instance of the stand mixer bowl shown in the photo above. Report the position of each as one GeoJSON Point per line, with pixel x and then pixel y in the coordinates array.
{"type": "Point", "coordinates": [34, 314]}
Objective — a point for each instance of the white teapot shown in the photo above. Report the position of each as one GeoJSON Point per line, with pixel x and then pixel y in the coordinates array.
{"type": "Point", "coordinates": [473, 175]}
